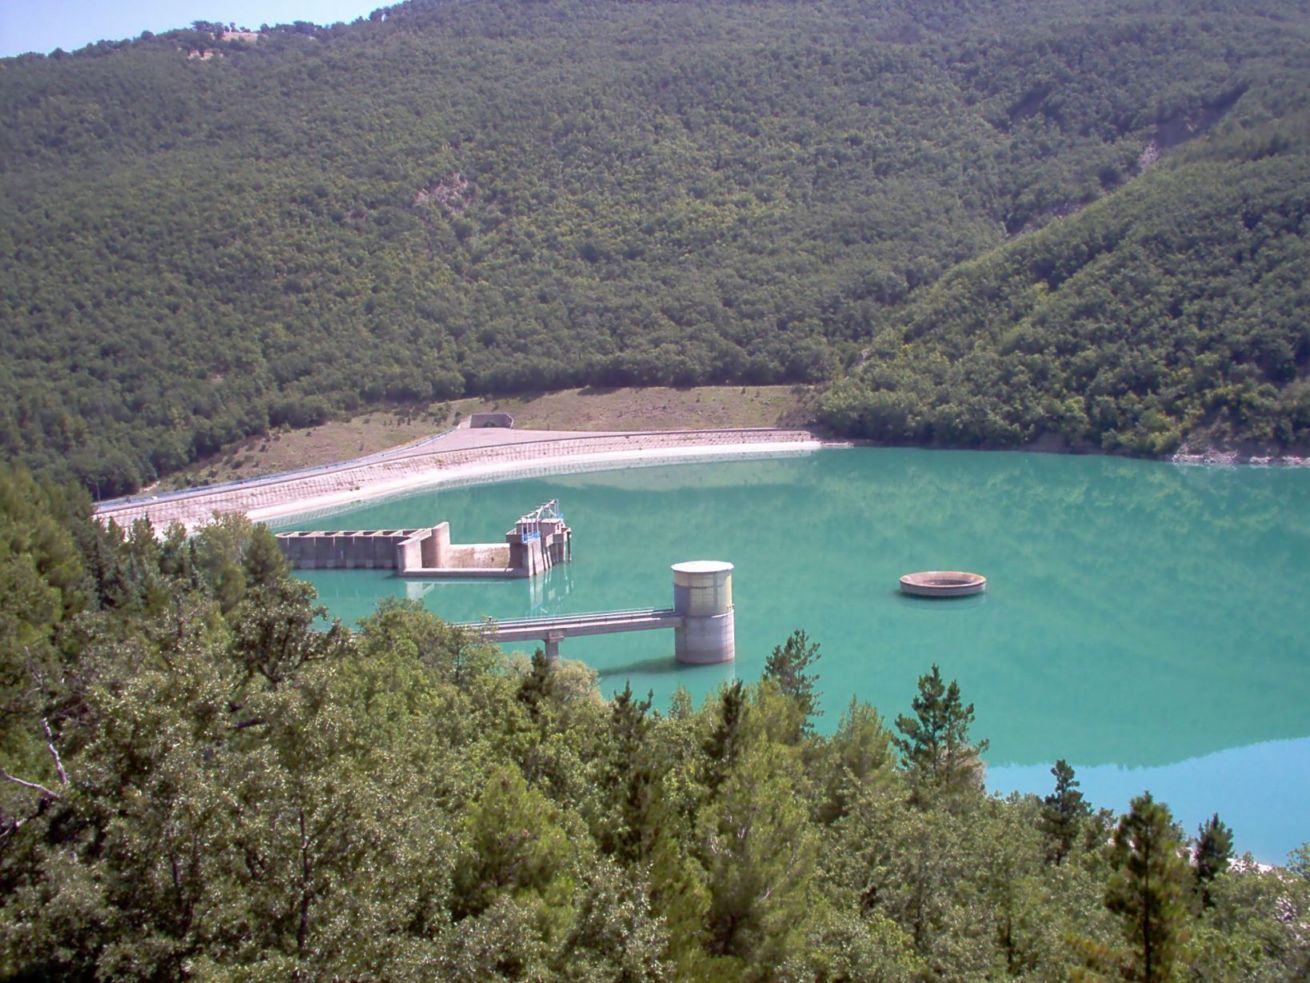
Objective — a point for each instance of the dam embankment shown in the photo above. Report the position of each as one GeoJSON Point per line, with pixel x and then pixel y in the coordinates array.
{"type": "Point", "coordinates": [461, 456]}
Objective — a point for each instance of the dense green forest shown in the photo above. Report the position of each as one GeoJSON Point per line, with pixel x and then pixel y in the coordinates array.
{"type": "Point", "coordinates": [1176, 308]}
{"type": "Point", "coordinates": [199, 782]}
{"type": "Point", "coordinates": [989, 222]}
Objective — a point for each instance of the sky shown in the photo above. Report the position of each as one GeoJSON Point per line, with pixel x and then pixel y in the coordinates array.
{"type": "Point", "coordinates": [43, 25]}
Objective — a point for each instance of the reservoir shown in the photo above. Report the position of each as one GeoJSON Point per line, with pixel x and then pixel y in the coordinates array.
{"type": "Point", "coordinates": [1144, 621]}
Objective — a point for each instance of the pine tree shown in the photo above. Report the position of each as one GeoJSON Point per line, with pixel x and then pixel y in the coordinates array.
{"type": "Point", "coordinates": [1214, 849]}
{"type": "Point", "coordinates": [854, 758]}
{"type": "Point", "coordinates": [935, 742]}
{"type": "Point", "coordinates": [787, 667]}
{"type": "Point", "coordinates": [263, 560]}
{"type": "Point", "coordinates": [627, 775]}
{"type": "Point", "coordinates": [758, 850]}
{"type": "Point", "coordinates": [536, 685]}
{"type": "Point", "coordinates": [1147, 887]}
{"type": "Point", "coordinates": [1062, 813]}
{"type": "Point", "coordinates": [725, 741]}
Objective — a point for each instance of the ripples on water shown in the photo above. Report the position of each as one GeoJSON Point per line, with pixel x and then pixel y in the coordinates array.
{"type": "Point", "coordinates": [1144, 621]}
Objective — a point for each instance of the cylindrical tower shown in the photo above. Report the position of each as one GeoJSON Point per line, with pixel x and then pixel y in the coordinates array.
{"type": "Point", "coordinates": [702, 594]}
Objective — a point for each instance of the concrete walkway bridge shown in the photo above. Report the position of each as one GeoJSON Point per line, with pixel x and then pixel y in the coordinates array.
{"type": "Point", "coordinates": [702, 618]}
{"type": "Point", "coordinates": [550, 631]}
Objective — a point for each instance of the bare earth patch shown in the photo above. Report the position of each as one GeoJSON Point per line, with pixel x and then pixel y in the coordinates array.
{"type": "Point", "coordinates": [701, 408]}
{"type": "Point", "coordinates": [287, 450]}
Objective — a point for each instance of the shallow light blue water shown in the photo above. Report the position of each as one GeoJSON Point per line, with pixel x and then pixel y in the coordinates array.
{"type": "Point", "coordinates": [1144, 621]}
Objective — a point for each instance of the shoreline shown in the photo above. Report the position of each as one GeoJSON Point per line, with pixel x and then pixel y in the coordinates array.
{"type": "Point", "coordinates": [459, 457]}
{"type": "Point", "coordinates": [491, 473]}
{"type": "Point", "coordinates": [1236, 459]}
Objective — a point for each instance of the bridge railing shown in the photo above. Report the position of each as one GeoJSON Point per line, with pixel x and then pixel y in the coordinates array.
{"type": "Point", "coordinates": [590, 618]}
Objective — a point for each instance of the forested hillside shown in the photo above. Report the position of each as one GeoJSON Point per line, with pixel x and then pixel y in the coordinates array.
{"type": "Point", "coordinates": [197, 783]}
{"type": "Point", "coordinates": [1175, 308]}
{"type": "Point", "coordinates": [204, 236]}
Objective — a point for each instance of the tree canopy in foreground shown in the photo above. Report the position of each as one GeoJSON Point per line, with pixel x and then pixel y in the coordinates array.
{"type": "Point", "coordinates": [197, 782]}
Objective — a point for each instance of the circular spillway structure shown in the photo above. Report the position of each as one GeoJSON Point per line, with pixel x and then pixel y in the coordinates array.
{"type": "Point", "coordinates": [943, 583]}
{"type": "Point", "coordinates": [702, 597]}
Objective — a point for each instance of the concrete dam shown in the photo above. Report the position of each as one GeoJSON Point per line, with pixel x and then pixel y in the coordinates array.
{"type": "Point", "coordinates": [539, 540]}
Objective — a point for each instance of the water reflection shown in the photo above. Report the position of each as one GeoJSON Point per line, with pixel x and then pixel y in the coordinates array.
{"type": "Point", "coordinates": [715, 675]}
{"type": "Point", "coordinates": [547, 594]}
{"type": "Point", "coordinates": [1265, 789]}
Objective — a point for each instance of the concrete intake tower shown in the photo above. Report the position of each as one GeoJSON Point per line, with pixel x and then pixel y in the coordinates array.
{"type": "Point", "coordinates": [702, 596]}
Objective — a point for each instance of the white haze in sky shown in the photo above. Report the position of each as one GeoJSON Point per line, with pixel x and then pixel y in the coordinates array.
{"type": "Point", "coordinates": [43, 25]}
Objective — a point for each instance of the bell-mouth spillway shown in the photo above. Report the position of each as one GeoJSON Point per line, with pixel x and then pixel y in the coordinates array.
{"type": "Point", "coordinates": [943, 583]}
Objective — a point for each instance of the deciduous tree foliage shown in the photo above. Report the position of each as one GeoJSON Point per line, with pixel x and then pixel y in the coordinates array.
{"type": "Point", "coordinates": [1140, 322]}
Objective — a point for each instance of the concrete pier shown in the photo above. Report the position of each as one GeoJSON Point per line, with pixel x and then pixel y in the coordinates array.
{"type": "Point", "coordinates": [702, 596]}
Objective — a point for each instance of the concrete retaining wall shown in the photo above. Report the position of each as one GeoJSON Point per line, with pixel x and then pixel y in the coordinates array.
{"type": "Point", "coordinates": [345, 550]}
{"type": "Point", "coordinates": [432, 465]}
{"type": "Point", "coordinates": [475, 555]}
{"type": "Point", "coordinates": [428, 552]}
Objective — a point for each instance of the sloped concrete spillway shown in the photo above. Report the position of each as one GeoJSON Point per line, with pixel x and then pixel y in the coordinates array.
{"type": "Point", "coordinates": [943, 583]}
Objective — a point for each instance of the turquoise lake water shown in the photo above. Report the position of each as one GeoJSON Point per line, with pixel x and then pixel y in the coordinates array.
{"type": "Point", "coordinates": [1145, 621]}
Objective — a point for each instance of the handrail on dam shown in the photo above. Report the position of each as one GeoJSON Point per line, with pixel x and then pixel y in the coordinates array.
{"type": "Point", "coordinates": [401, 451]}
{"type": "Point", "coordinates": [426, 459]}
{"type": "Point", "coordinates": [589, 617]}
